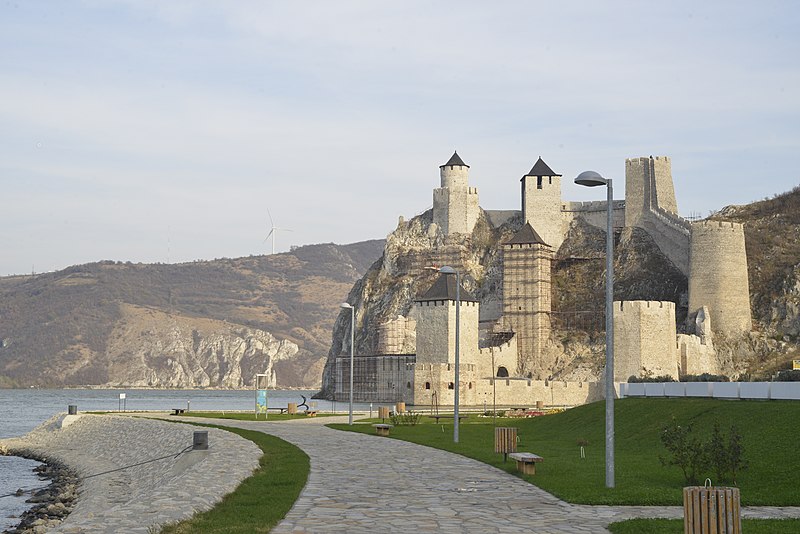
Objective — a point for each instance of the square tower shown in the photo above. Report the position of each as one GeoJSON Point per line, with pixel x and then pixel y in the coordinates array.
{"type": "Point", "coordinates": [541, 202]}
{"type": "Point", "coordinates": [527, 292]}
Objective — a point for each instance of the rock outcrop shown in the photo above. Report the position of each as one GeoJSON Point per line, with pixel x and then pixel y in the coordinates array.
{"type": "Point", "coordinates": [150, 348]}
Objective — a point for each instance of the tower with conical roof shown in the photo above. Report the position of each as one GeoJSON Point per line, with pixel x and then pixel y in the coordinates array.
{"type": "Point", "coordinates": [527, 293]}
{"type": "Point", "coordinates": [541, 203]}
{"type": "Point", "coordinates": [455, 203]}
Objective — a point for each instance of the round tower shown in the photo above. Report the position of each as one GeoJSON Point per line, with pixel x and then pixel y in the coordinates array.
{"type": "Point", "coordinates": [454, 173]}
{"type": "Point", "coordinates": [718, 275]}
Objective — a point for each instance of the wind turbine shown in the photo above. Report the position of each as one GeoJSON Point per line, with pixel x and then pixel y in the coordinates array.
{"type": "Point", "coordinates": [273, 231]}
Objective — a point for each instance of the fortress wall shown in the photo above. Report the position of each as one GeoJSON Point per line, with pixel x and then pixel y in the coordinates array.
{"type": "Point", "coordinates": [718, 275]}
{"type": "Point", "coordinates": [375, 378]}
{"type": "Point", "coordinates": [650, 204]}
{"type": "Point", "coordinates": [670, 236]}
{"type": "Point", "coordinates": [434, 380]}
{"type": "Point", "coordinates": [542, 208]}
{"type": "Point", "coordinates": [594, 213]}
{"type": "Point", "coordinates": [504, 355]}
{"type": "Point", "coordinates": [644, 339]}
{"type": "Point", "coordinates": [696, 355]}
{"type": "Point", "coordinates": [526, 392]}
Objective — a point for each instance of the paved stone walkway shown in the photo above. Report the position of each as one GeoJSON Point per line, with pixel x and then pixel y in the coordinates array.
{"type": "Point", "coordinates": [362, 483]}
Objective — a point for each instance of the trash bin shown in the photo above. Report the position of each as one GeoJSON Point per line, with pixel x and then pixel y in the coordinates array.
{"type": "Point", "coordinates": [505, 440]}
{"type": "Point", "coordinates": [400, 407]}
{"type": "Point", "coordinates": [72, 409]}
{"type": "Point", "coordinates": [200, 441]}
{"type": "Point", "coordinates": [383, 412]}
{"type": "Point", "coordinates": [711, 509]}
{"type": "Point", "coordinates": [291, 408]}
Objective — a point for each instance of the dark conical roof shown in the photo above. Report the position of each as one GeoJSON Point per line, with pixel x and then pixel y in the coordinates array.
{"type": "Point", "coordinates": [540, 168]}
{"type": "Point", "coordinates": [454, 160]}
{"type": "Point", "coordinates": [526, 236]}
{"type": "Point", "coordinates": [444, 288]}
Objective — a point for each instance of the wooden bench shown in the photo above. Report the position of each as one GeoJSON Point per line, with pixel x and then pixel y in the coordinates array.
{"type": "Point", "coordinates": [310, 413]}
{"type": "Point", "coordinates": [526, 461]}
{"type": "Point", "coordinates": [382, 429]}
{"type": "Point", "coordinates": [178, 411]}
{"type": "Point", "coordinates": [460, 417]}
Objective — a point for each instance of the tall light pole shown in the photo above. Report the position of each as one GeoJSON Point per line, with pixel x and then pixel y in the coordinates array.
{"type": "Point", "coordinates": [593, 179]}
{"type": "Point", "coordinates": [347, 306]}
{"type": "Point", "coordinates": [449, 270]}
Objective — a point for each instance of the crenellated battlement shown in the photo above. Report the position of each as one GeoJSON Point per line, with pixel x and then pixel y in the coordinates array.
{"type": "Point", "coordinates": [722, 226]}
{"type": "Point", "coordinates": [624, 306]}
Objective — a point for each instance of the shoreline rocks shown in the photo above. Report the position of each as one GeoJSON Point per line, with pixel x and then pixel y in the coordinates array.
{"type": "Point", "coordinates": [52, 504]}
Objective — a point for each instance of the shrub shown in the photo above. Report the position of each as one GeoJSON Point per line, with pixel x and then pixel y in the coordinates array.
{"type": "Point", "coordinates": [650, 379]}
{"type": "Point", "coordinates": [406, 418]}
{"type": "Point", "coordinates": [722, 455]}
{"type": "Point", "coordinates": [790, 375]}
{"type": "Point", "coordinates": [705, 377]}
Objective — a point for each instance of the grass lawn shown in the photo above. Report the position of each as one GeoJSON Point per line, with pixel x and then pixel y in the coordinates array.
{"type": "Point", "coordinates": [261, 500]}
{"type": "Point", "coordinates": [675, 526]}
{"type": "Point", "coordinates": [769, 429]}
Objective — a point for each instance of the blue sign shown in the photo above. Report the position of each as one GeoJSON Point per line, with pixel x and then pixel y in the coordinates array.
{"type": "Point", "coordinates": [261, 401]}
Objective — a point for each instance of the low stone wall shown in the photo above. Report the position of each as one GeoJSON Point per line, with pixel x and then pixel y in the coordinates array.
{"type": "Point", "coordinates": [135, 499]}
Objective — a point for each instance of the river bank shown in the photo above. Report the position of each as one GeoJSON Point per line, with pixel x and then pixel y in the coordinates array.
{"type": "Point", "coordinates": [127, 474]}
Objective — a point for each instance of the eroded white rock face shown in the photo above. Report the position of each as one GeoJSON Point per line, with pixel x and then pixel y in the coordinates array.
{"type": "Point", "coordinates": [153, 349]}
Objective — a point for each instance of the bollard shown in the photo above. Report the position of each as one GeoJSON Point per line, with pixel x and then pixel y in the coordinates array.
{"type": "Point", "coordinates": [72, 409]}
{"type": "Point", "coordinates": [200, 441]}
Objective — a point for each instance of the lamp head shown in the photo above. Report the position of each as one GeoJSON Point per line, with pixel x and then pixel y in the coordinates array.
{"type": "Point", "coordinates": [346, 306]}
{"type": "Point", "coordinates": [590, 179]}
{"type": "Point", "coordinates": [447, 270]}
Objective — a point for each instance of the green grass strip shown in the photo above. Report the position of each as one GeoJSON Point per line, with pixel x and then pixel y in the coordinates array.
{"type": "Point", "coordinates": [262, 500]}
{"type": "Point", "coordinates": [675, 526]}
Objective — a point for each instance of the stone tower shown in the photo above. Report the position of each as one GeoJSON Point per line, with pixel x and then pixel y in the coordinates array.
{"type": "Point", "coordinates": [436, 339]}
{"type": "Point", "coordinates": [541, 203]}
{"type": "Point", "coordinates": [644, 339]}
{"type": "Point", "coordinates": [718, 276]}
{"type": "Point", "coordinates": [436, 322]}
{"type": "Point", "coordinates": [526, 293]}
{"type": "Point", "coordinates": [648, 186]}
{"type": "Point", "coordinates": [455, 203]}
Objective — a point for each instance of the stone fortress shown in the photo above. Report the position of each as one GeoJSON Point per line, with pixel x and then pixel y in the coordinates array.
{"type": "Point", "coordinates": [416, 353]}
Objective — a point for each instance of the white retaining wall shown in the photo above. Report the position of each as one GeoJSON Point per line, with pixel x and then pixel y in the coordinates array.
{"type": "Point", "coordinates": [717, 390]}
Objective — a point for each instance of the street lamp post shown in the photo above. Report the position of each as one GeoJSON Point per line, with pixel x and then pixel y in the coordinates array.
{"type": "Point", "coordinates": [347, 306]}
{"type": "Point", "coordinates": [593, 179]}
{"type": "Point", "coordinates": [449, 270]}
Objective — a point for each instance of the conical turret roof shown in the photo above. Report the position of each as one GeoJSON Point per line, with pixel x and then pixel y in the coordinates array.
{"type": "Point", "coordinates": [444, 288]}
{"type": "Point", "coordinates": [526, 236]}
{"type": "Point", "coordinates": [540, 168]}
{"type": "Point", "coordinates": [455, 160]}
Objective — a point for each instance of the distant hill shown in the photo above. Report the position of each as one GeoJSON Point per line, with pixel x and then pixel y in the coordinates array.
{"type": "Point", "coordinates": [56, 328]}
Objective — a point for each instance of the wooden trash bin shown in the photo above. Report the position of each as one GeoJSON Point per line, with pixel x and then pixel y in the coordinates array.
{"type": "Point", "coordinates": [383, 412]}
{"type": "Point", "coordinates": [539, 405]}
{"type": "Point", "coordinates": [400, 407]}
{"type": "Point", "coordinates": [709, 509]}
{"type": "Point", "coordinates": [505, 441]}
{"type": "Point", "coordinates": [291, 408]}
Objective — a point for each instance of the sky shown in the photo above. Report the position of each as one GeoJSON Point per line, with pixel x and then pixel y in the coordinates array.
{"type": "Point", "coordinates": [170, 131]}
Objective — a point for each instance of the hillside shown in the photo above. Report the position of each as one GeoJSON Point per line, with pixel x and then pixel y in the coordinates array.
{"type": "Point", "coordinates": [56, 328]}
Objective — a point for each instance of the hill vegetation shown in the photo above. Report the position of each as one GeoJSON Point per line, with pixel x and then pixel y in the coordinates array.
{"type": "Point", "coordinates": [56, 321]}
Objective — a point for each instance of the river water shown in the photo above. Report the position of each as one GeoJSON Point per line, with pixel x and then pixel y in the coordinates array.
{"type": "Point", "coordinates": [21, 410]}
